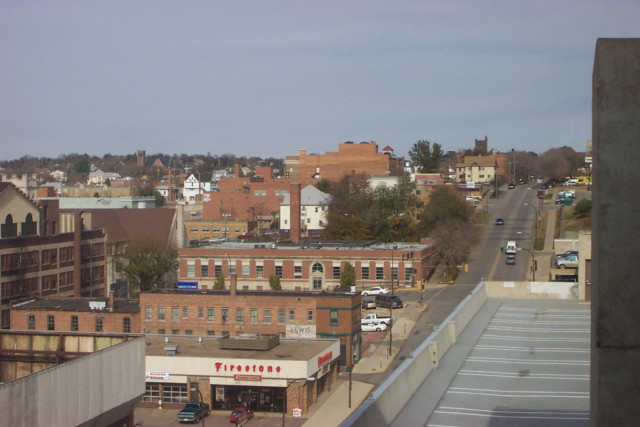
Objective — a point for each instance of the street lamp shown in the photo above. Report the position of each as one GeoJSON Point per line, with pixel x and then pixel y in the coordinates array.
{"type": "Point", "coordinates": [201, 400]}
{"type": "Point", "coordinates": [533, 259]}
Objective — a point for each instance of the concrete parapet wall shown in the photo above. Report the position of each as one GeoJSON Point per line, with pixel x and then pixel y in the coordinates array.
{"type": "Point", "coordinates": [537, 290]}
{"type": "Point", "coordinates": [384, 404]}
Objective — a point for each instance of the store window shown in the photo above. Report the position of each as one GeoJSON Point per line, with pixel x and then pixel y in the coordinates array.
{"type": "Point", "coordinates": [174, 393]}
{"type": "Point", "coordinates": [151, 393]}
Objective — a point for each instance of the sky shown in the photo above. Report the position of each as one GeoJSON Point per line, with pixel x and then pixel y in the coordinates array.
{"type": "Point", "coordinates": [269, 78]}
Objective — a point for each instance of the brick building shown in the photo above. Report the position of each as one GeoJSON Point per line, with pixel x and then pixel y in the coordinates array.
{"type": "Point", "coordinates": [37, 260]}
{"type": "Point", "coordinates": [109, 315]}
{"type": "Point", "coordinates": [234, 312]}
{"type": "Point", "coordinates": [351, 158]}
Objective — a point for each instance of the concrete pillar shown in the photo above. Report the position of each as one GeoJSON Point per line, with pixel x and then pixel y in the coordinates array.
{"type": "Point", "coordinates": [615, 338]}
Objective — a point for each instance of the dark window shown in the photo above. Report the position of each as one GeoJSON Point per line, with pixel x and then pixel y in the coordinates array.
{"type": "Point", "coordinates": [379, 273]}
{"type": "Point", "coordinates": [98, 324]}
{"type": "Point", "coordinates": [336, 272]}
{"type": "Point", "coordinates": [365, 273]}
{"type": "Point", "coordinates": [333, 318]}
{"type": "Point", "coordinates": [51, 323]}
{"type": "Point", "coordinates": [279, 270]}
{"type": "Point", "coordinates": [74, 323]}
{"type": "Point", "coordinates": [31, 321]}
{"type": "Point", "coordinates": [126, 325]}
{"type": "Point", "coordinates": [204, 270]}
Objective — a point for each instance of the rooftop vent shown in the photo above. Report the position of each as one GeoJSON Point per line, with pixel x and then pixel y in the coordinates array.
{"type": "Point", "coordinates": [171, 350]}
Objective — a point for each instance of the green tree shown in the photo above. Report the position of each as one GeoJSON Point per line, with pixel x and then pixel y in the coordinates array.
{"type": "Point", "coordinates": [81, 165]}
{"type": "Point", "coordinates": [444, 205]}
{"type": "Point", "coordinates": [147, 261]}
{"type": "Point", "coordinates": [274, 282]}
{"type": "Point", "coordinates": [425, 158]}
{"type": "Point", "coordinates": [324, 185]}
{"type": "Point", "coordinates": [350, 202]}
{"type": "Point", "coordinates": [347, 276]}
{"type": "Point", "coordinates": [219, 284]}
{"type": "Point", "coordinates": [147, 190]}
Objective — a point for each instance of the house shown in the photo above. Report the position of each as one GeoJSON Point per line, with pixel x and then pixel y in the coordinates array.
{"type": "Point", "coordinates": [196, 185]}
{"type": "Point", "coordinates": [477, 169]}
{"type": "Point", "coordinates": [313, 208]}
{"type": "Point", "coordinates": [99, 177]}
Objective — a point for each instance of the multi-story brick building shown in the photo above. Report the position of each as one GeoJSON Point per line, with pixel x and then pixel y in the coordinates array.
{"type": "Point", "coordinates": [234, 312]}
{"type": "Point", "coordinates": [36, 260]}
{"type": "Point", "coordinates": [362, 158]}
{"type": "Point", "coordinates": [109, 315]}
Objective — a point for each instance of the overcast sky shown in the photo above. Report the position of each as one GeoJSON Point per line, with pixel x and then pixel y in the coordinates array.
{"type": "Point", "coordinates": [268, 78]}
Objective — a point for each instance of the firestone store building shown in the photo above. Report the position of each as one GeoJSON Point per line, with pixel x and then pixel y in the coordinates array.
{"type": "Point", "coordinates": [263, 372]}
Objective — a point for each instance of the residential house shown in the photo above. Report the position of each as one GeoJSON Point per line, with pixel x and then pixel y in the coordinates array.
{"type": "Point", "coordinates": [476, 169]}
{"type": "Point", "coordinates": [313, 209]}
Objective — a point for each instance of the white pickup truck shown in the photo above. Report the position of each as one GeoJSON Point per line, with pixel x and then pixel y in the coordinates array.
{"type": "Point", "coordinates": [374, 318]}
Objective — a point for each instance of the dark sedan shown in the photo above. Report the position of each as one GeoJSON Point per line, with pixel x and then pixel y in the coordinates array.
{"type": "Point", "coordinates": [499, 221]}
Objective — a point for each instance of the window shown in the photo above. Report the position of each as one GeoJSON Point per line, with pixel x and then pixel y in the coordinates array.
{"type": "Point", "coordinates": [161, 314]}
{"type": "Point", "coordinates": [336, 271]}
{"type": "Point", "coordinates": [126, 325]}
{"type": "Point", "coordinates": [297, 272]}
{"type": "Point", "coordinates": [253, 314]}
{"type": "Point", "coordinates": [191, 269]}
{"type": "Point", "coordinates": [317, 283]}
{"type": "Point", "coordinates": [232, 268]}
{"type": "Point", "coordinates": [185, 312]}
{"type": "Point", "coordinates": [333, 317]}
{"type": "Point", "coordinates": [51, 323]}
{"type": "Point", "coordinates": [151, 393]}
{"type": "Point", "coordinates": [394, 273]}
{"type": "Point", "coordinates": [31, 322]}
{"type": "Point", "coordinates": [148, 316]}
{"type": "Point", "coordinates": [266, 314]}
{"type": "Point", "coordinates": [188, 332]}
{"type": "Point", "coordinates": [279, 270]}
{"type": "Point", "coordinates": [365, 273]}
{"type": "Point", "coordinates": [217, 270]}
{"type": "Point", "coordinates": [259, 271]}
{"type": "Point", "coordinates": [239, 315]}
{"type": "Point", "coordinates": [310, 315]}
{"type": "Point", "coordinates": [245, 270]}
{"type": "Point", "coordinates": [316, 209]}
{"type": "Point", "coordinates": [408, 273]}
{"type": "Point", "coordinates": [317, 268]}
{"type": "Point", "coordinates": [98, 324]}
{"type": "Point", "coordinates": [211, 315]}
{"type": "Point", "coordinates": [225, 315]}
{"type": "Point", "coordinates": [175, 314]}
{"type": "Point", "coordinates": [200, 313]}
{"type": "Point", "coordinates": [281, 316]}
{"type": "Point", "coordinates": [160, 331]}
{"type": "Point", "coordinates": [211, 332]}
{"type": "Point", "coordinates": [204, 270]}
{"type": "Point", "coordinates": [259, 192]}
{"type": "Point", "coordinates": [174, 393]}
{"type": "Point", "coordinates": [379, 273]}
{"type": "Point", "coordinates": [175, 331]}
{"type": "Point", "coordinates": [74, 323]}
{"type": "Point", "coordinates": [292, 315]}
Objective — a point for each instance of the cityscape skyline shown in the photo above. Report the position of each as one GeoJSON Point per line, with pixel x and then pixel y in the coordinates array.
{"type": "Point", "coordinates": [269, 79]}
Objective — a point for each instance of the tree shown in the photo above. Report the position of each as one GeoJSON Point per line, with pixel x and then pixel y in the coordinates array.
{"type": "Point", "coordinates": [424, 158]}
{"type": "Point", "coordinates": [444, 205]}
{"type": "Point", "coordinates": [147, 190]}
{"type": "Point", "coordinates": [557, 163]}
{"type": "Point", "coordinates": [219, 284]}
{"type": "Point", "coordinates": [81, 165]}
{"type": "Point", "coordinates": [454, 239]}
{"type": "Point", "coordinates": [274, 282]}
{"type": "Point", "coordinates": [583, 209]}
{"type": "Point", "coordinates": [350, 201]}
{"type": "Point", "coordinates": [324, 185]}
{"type": "Point", "coordinates": [347, 276]}
{"type": "Point", "coordinates": [147, 261]}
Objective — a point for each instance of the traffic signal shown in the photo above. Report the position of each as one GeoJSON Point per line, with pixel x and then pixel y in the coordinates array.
{"type": "Point", "coordinates": [466, 268]}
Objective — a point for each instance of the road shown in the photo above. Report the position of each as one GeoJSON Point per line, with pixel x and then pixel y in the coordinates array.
{"type": "Point", "coordinates": [486, 261]}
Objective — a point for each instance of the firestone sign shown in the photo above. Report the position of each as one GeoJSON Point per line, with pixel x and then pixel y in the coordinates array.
{"type": "Point", "coordinates": [322, 360]}
{"type": "Point", "coordinates": [246, 368]}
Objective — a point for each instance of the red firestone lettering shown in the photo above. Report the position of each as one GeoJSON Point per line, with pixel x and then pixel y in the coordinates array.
{"type": "Point", "coordinates": [247, 368]}
{"type": "Point", "coordinates": [277, 368]}
{"type": "Point", "coordinates": [239, 368]}
{"type": "Point", "coordinates": [261, 368]}
{"type": "Point", "coordinates": [218, 364]}
{"type": "Point", "coordinates": [254, 368]}
{"type": "Point", "coordinates": [269, 368]}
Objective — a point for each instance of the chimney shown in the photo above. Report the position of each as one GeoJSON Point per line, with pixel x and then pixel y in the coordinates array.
{"type": "Point", "coordinates": [236, 170]}
{"type": "Point", "coordinates": [111, 300]}
{"type": "Point", "coordinates": [77, 254]}
{"type": "Point", "coordinates": [294, 212]}
{"type": "Point", "coordinates": [233, 284]}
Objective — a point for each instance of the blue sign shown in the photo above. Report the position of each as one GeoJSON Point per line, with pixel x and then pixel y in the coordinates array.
{"type": "Point", "coordinates": [187, 285]}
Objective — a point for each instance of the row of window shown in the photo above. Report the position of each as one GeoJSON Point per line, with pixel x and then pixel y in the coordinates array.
{"type": "Point", "coordinates": [283, 315]}
{"type": "Point", "coordinates": [297, 273]}
{"type": "Point", "coordinates": [74, 323]}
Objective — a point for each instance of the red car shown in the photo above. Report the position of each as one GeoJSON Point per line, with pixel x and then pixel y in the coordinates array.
{"type": "Point", "coordinates": [240, 414]}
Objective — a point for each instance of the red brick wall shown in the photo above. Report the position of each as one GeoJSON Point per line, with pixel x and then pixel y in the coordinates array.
{"type": "Point", "coordinates": [111, 322]}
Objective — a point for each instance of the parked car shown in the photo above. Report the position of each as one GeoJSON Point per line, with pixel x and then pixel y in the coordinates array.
{"type": "Point", "coordinates": [511, 260]}
{"type": "Point", "coordinates": [240, 415]}
{"type": "Point", "coordinates": [566, 254]}
{"type": "Point", "coordinates": [217, 240]}
{"type": "Point", "coordinates": [368, 303]}
{"type": "Point", "coordinates": [511, 186]}
{"type": "Point", "coordinates": [246, 236]}
{"type": "Point", "coordinates": [193, 412]}
{"type": "Point", "coordinates": [375, 290]}
{"type": "Point", "coordinates": [559, 201]}
{"type": "Point", "coordinates": [389, 301]}
{"type": "Point", "coordinates": [570, 261]}
{"type": "Point", "coordinates": [374, 318]}
{"type": "Point", "coordinates": [499, 221]}
{"type": "Point", "coordinates": [373, 327]}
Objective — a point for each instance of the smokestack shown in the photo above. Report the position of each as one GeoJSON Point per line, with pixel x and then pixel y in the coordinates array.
{"type": "Point", "coordinates": [294, 212]}
{"type": "Point", "coordinates": [236, 170]}
{"type": "Point", "coordinates": [77, 254]}
{"type": "Point", "coordinates": [111, 300]}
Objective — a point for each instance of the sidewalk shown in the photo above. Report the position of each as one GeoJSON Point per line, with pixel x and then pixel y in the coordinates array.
{"type": "Point", "coordinates": [544, 258]}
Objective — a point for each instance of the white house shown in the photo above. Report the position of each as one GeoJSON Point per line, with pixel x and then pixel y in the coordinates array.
{"type": "Point", "coordinates": [99, 177]}
{"type": "Point", "coordinates": [198, 184]}
{"type": "Point", "coordinates": [313, 207]}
